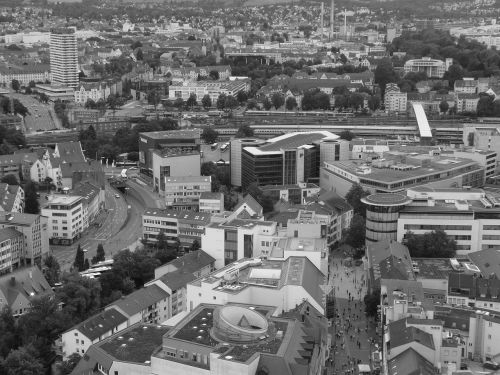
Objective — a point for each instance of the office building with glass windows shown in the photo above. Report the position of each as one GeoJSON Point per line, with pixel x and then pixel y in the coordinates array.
{"type": "Point", "coordinates": [291, 158]}
{"type": "Point", "coordinates": [471, 217]}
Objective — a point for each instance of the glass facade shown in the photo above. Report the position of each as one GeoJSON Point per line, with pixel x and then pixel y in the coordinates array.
{"type": "Point", "coordinates": [266, 169]}
{"type": "Point", "coordinates": [230, 246]}
{"type": "Point", "coordinates": [290, 168]}
{"type": "Point", "coordinates": [382, 222]}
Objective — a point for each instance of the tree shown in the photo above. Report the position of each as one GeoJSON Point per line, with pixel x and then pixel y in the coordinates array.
{"type": "Point", "coordinates": [372, 301]}
{"type": "Point", "coordinates": [194, 246]}
{"type": "Point", "coordinates": [179, 103]}
{"type": "Point", "coordinates": [347, 135]}
{"type": "Point", "coordinates": [244, 131]}
{"type": "Point", "coordinates": [230, 102]}
{"type": "Point", "coordinates": [9, 332]}
{"type": "Point", "coordinates": [277, 100]}
{"type": "Point", "coordinates": [191, 102]}
{"type": "Point", "coordinates": [267, 103]}
{"type": "Point", "coordinates": [454, 73]}
{"type": "Point", "coordinates": [15, 85]}
{"type": "Point", "coordinates": [355, 235]}
{"type": "Point", "coordinates": [52, 270]}
{"type": "Point", "coordinates": [209, 135]}
{"type": "Point", "coordinates": [67, 366]}
{"type": "Point", "coordinates": [251, 104]}
{"type": "Point", "coordinates": [353, 197]}
{"type": "Point", "coordinates": [384, 74]}
{"type": "Point", "coordinates": [80, 295]}
{"type": "Point", "coordinates": [290, 103]}
{"type": "Point", "coordinates": [79, 263]}
{"type": "Point", "coordinates": [470, 139]}
{"type": "Point", "coordinates": [23, 361]}
{"type": "Point", "coordinates": [214, 74]}
{"type": "Point", "coordinates": [90, 104]}
{"type": "Point", "coordinates": [100, 255]}
{"type": "Point", "coordinates": [31, 204]}
{"type": "Point", "coordinates": [206, 101]}
{"type": "Point", "coordinates": [356, 101]}
{"type": "Point", "coordinates": [139, 55]}
{"type": "Point", "coordinates": [10, 179]}
{"type": "Point", "coordinates": [374, 102]}
{"type": "Point", "coordinates": [208, 168]}
{"type": "Point", "coordinates": [444, 106]}
{"type": "Point", "coordinates": [435, 244]}
{"type": "Point", "coordinates": [86, 265]}
{"type": "Point", "coordinates": [242, 96]}
{"type": "Point", "coordinates": [137, 265]}
{"type": "Point", "coordinates": [315, 99]}
{"type": "Point", "coordinates": [221, 101]}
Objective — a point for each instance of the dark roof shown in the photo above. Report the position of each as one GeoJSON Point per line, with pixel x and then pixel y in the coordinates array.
{"type": "Point", "coordinates": [454, 317]}
{"type": "Point", "coordinates": [185, 266]}
{"type": "Point", "coordinates": [101, 323]}
{"type": "Point", "coordinates": [70, 152]}
{"type": "Point", "coordinates": [28, 282]}
{"type": "Point", "coordinates": [488, 261]}
{"type": "Point", "coordinates": [16, 218]}
{"type": "Point", "coordinates": [295, 140]}
{"type": "Point", "coordinates": [139, 300]}
{"type": "Point", "coordinates": [410, 362]}
{"type": "Point", "coordinates": [9, 233]}
{"type": "Point", "coordinates": [401, 334]}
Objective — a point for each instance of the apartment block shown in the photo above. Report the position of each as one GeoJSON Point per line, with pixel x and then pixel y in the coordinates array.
{"type": "Point", "coordinates": [183, 193]}
{"type": "Point", "coordinates": [65, 218]}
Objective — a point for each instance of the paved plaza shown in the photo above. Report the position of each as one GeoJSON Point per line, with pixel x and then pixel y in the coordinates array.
{"type": "Point", "coordinates": [353, 334]}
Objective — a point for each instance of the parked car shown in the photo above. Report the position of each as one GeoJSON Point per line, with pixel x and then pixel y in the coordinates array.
{"type": "Point", "coordinates": [491, 365]}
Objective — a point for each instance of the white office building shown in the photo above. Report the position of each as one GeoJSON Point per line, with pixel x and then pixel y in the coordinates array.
{"type": "Point", "coordinates": [65, 218]}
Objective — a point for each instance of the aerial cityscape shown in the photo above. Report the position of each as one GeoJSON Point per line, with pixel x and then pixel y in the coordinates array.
{"type": "Point", "coordinates": [249, 187]}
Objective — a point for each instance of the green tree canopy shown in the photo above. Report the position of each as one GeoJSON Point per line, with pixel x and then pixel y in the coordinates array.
{"type": "Point", "coordinates": [435, 244]}
{"type": "Point", "coordinates": [31, 204]}
{"type": "Point", "coordinates": [353, 197]}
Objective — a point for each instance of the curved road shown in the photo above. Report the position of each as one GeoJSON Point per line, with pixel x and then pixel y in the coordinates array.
{"type": "Point", "coordinates": [121, 224]}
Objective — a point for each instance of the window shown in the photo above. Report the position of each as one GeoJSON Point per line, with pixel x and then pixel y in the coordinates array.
{"type": "Point", "coordinates": [489, 337]}
{"type": "Point", "coordinates": [77, 341]}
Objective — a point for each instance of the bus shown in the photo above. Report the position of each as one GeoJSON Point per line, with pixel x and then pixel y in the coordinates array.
{"type": "Point", "coordinates": [214, 146]}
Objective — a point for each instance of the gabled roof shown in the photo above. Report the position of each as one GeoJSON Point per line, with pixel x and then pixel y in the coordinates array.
{"type": "Point", "coordinates": [8, 194]}
{"type": "Point", "coordinates": [488, 261]}
{"type": "Point", "coordinates": [185, 268]}
{"type": "Point", "coordinates": [401, 334]}
{"type": "Point", "coordinates": [410, 362]}
{"type": "Point", "coordinates": [99, 324]}
{"type": "Point", "coordinates": [69, 152]}
{"type": "Point", "coordinates": [139, 300]}
{"type": "Point", "coordinates": [28, 282]}
{"type": "Point", "coordinates": [251, 202]}
{"type": "Point", "coordinates": [9, 233]}
{"type": "Point", "coordinates": [17, 159]}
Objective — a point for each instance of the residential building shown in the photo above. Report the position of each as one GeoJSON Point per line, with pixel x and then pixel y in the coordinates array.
{"type": "Point", "coordinates": [212, 203]}
{"type": "Point", "coordinates": [171, 142]}
{"type": "Point", "coordinates": [395, 101]}
{"type": "Point", "coordinates": [484, 136]}
{"type": "Point", "coordinates": [468, 290]}
{"type": "Point", "coordinates": [431, 67]}
{"type": "Point", "coordinates": [387, 259]}
{"type": "Point", "coordinates": [287, 159]}
{"type": "Point", "coordinates": [35, 233]}
{"type": "Point", "coordinates": [17, 164]}
{"type": "Point", "coordinates": [146, 305]}
{"type": "Point", "coordinates": [470, 217]}
{"type": "Point", "coordinates": [487, 261]}
{"type": "Point", "coordinates": [466, 102]}
{"type": "Point", "coordinates": [466, 86]}
{"type": "Point", "coordinates": [19, 288]}
{"type": "Point", "coordinates": [11, 249]}
{"type": "Point", "coordinates": [92, 91]}
{"type": "Point", "coordinates": [24, 74]}
{"type": "Point", "coordinates": [194, 73]}
{"type": "Point", "coordinates": [65, 218]}
{"type": "Point", "coordinates": [128, 351]}
{"type": "Point", "coordinates": [11, 198]}
{"type": "Point", "coordinates": [265, 280]}
{"type": "Point", "coordinates": [183, 193]}
{"type": "Point", "coordinates": [80, 337]}
{"type": "Point", "coordinates": [104, 125]}
{"type": "Point", "coordinates": [64, 57]}
{"type": "Point", "coordinates": [433, 274]}
{"type": "Point", "coordinates": [210, 88]}
{"type": "Point", "coordinates": [177, 225]}
{"type": "Point", "coordinates": [293, 193]}
{"type": "Point", "coordinates": [399, 170]}
{"type": "Point", "coordinates": [174, 276]}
